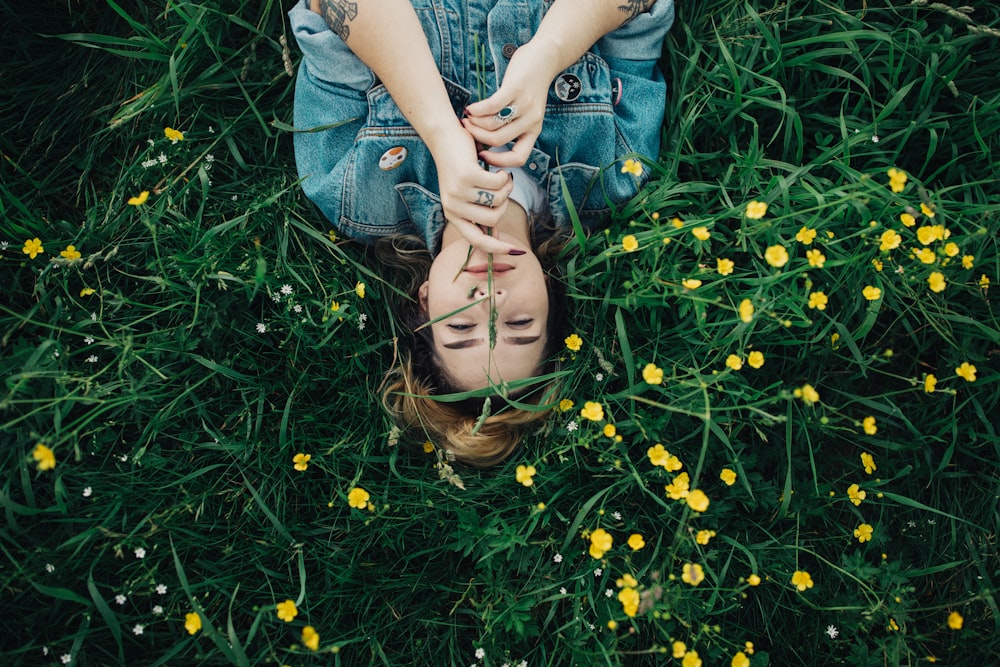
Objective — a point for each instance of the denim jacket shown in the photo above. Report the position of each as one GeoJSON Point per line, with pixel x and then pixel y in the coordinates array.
{"type": "Point", "coordinates": [370, 174]}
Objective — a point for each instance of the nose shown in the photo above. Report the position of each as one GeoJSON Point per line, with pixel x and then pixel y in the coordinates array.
{"type": "Point", "coordinates": [499, 293]}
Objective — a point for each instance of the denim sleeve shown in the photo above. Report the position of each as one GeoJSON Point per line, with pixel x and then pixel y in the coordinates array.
{"type": "Point", "coordinates": [642, 37]}
{"type": "Point", "coordinates": [324, 55]}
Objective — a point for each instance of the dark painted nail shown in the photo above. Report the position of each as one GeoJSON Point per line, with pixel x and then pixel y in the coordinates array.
{"type": "Point", "coordinates": [517, 253]}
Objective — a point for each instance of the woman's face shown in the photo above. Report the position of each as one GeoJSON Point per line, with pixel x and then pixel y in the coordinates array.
{"type": "Point", "coordinates": [462, 340]}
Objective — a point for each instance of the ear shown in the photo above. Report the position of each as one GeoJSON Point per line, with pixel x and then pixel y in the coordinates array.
{"type": "Point", "coordinates": [422, 296]}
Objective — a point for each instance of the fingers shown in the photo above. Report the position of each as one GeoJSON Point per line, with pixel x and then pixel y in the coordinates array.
{"type": "Point", "coordinates": [475, 236]}
{"type": "Point", "coordinates": [515, 157]}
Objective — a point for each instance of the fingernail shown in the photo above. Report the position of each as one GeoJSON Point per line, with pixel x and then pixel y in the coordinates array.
{"type": "Point", "coordinates": [517, 253]}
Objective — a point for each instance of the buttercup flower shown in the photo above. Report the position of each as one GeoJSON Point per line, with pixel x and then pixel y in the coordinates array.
{"type": "Point", "coordinates": [703, 537]}
{"type": "Point", "coordinates": [192, 623]}
{"type": "Point", "coordinates": [776, 255]}
{"type": "Point", "coordinates": [955, 620]}
{"type": "Point", "coordinates": [740, 660]}
{"type": "Point", "coordinates": [629, 597]}
{"type": "Point", "coordinates": [927, 210]}
{"type": "Point", "coordinates": [697, 500]}
{"type": "Point", "coordinates": [33, 248]}
{"type": "Point", "coordinates": [871, 293]}
{"type": "Point", "coordinates": [952, 249]}
{"type": "Point", "coordinates": [428, 447]}
{"type": "Point", "coordinates": [287, 611]}
{"type": "Point", "coordinates": [869, 425]}
{"type": "Point", "coordinates": [691, 283]}
{"type": "Point", "coordinates": [756, 209]}
{"type": "Point", "coordinates": [968, 261]}
{"type": "Point", "coordinates": [573, 343]}
{"type": "Point", "coordinates": [966, 371]}
{"type": "Point", "coordinates": [524, 475]}
{"type": "Point", "coordinates": [301, 461]}
{"type": "Point", "coordinates": [733, 361]}
{"type": "Point", "coordinates": [679, 649]}
{"type": "Point", "coordinates": [565, 405]}
{"type": "Point", "coordinates": [592, 411]}
{"type": "Point", "coordinates": [659, 456]}
{"type": "Point", "coordinates": [754, 579]}
{"type": "Point", "coordinates": [808, 394]}
{"type": "Point", "coordinates": [701, 233]}
{"type": "Point", "coordinates": [897, 179]}
{"type": "Point", "coordinates": [70, 253]}
{"type": "Point", "coordinates": [600, 542]}
{"type": "Point", "coordinates": [925, 255]}
{"type": "Point", "coordinates": [726, 266]}
{"type": "Point", "coordinates": [636, 542]}
{"type": "Point", "coordinates": [693, 574]}
{"type": "Point", "coordinates": [633, 167]}
{"type": "Point", "coordinates": [856, 494]}
{"type": "Point", "coordinates": [691, 659]}
{"type": "Point", "coordinates": [727, 476]}
{"type": "Point", "coordinates": [629, 243]}
{"type": "Point", "coordinates": [936, 281]}
{"type": "Point", "coordinates": [359, 289]}
{"type": "Point", "coordinates": [805, 236]}
{"type": "Point", "coordinates": [173, 135]}
{"type": "Point", "coordinates": [358, 498]}
{"type": "Point", "coordinates": [930, 383]}
{"type": "Point", "coordinates": [44, 457]}
{"type": "Point", "coordinates": [652, 374]}
{"type": "Point", "coordinates": [746, 310]}
{"type": "Point", "coordinates": [801, 580]}
{"type": "Point", "coordinates": [678, 488]}
{"type": "Point", "coordinates": [755, 359]}
{"type": "Point", "coordinates": [890, 240]}
{"type": "Point", "coordinates": [868, 463]}
{"type": "Point", "coordinates": [817, 300]}
{"type": "Point", "coordinates": [816, 258]}
{"type": "Point", "coordinates": [863, 533]}
{"type": "Point", "coordinates": [609, 430]}
{"type": "Point", "coordinates": [310, 638]}
{"type": "Point", "coordinates": [907, 219]}
{"type": "Point", "coordinates": [139, 199]}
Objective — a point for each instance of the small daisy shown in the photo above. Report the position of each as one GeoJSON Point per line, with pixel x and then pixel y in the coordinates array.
{"type": "Point", "coordinates": [93, 317]}
{"type": "Point", "coordinates": [261, 327]}
{"type": "Point", "coordinates": [140, 552]}
{"type": "Point", "coordinates": [362, 318]}
{"type": "Point", "coordinates": [599, 377]}
{"type": "Point", "coordinates": [161, 589]}
{"type": "Point", "coordinates": [120, 599]}
{"type": "Point", "coordinates": [157, 610]}
{"type": "Point", "coordinates": [480, 653]}
{"type": "Point", "coordinates": [598, 572]}
{"type": "Point", "coordinates": [297, 308]}
{"type": "Point", "coordinates": [209, 158]}
{"type": "Point", "coordinates": [562, 589]}
{"type": "Point", "coordinates": [66, 658]}
{"type": "Point", "coordinates": [608, 593]}
{"type": "Point", "coordinates": [557, 558]}
{"type": "Point", "coordinates": [617, 516]}
{"type": "Point", "coordinates": [138, 629]}
{"type": "Point", "coordinates": [162, 158]}
{"type": "Point", "coordinates": [92, 359]}
{"type": "Point", "coordinates": [88, 340]}
{"type": "Point", "coordinates": [571, 426]}
{"type": "Point", "coordinates": [276, 298]}
{"type": "Point", "coordinates": [4, 244]}
{"type": "Point", "coordinates": [50, 568]}
{"type": "Point", "coordinates": [286, 289]}
{"type": "Point", "coordinates": [87, 491]}
{"type": "Point", "coordinates": [874, 138]}
{"type": "Point", "coordinates": [832, 631]}
{"type": "Point", "coordinates": [124, 458]}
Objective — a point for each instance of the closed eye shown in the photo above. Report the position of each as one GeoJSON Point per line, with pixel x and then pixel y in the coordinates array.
{"type": "Point", "coordinates": [460, 327]}
{"type": "Point", "coordinates": [520, 324]}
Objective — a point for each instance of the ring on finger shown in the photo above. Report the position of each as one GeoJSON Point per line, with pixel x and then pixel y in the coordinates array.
{"type": "Point", "coordinates": [506, 114]}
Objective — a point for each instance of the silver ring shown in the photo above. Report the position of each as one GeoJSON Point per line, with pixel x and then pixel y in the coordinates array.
{"type": "Point", "coordinates": [506, 114]}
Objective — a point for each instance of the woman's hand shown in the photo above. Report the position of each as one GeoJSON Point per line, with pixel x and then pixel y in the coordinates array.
{"type": "Point", "coordinates": [525, 87]}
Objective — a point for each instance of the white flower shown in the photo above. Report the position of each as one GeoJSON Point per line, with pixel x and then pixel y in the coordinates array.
{"type": "Point", "coordinates": [50, 568]}
{"type": "Point", "coordinates": [261, 327]}
{"type": "Point", "coordinates": [523, 663]}
{"type": "Point", "coordinates": [3, 245]}
{"type": "Point", "coordinates": [120, 599]}
{"type": "Point", "coordinates": [911, 523]}
{"type": "Point", "coordinates": [124, 458]}
{"type": "Point", "coordinates": [209, 158]}
{"type": "Point", "coordinates": [286, 289]}
{"type": "Point", "coordinates": [276, 298]}
{"type": "Point", "coordinates": [140, 552]}
{"type": "Point", "coordinates": [297, 308]}
{"type": "Point", "coordinates": [162, 158]}
{"type": "Point", "coordinates": [832, 631]}
{"type": "Point", "coordinates": [65, 658]}
{"type": "Point", "coordinates": [557, 558]}
{"type": "Point", "coordinates": [161, 589]}
{"type": "Point", "coordinates": [599, 376]}
{"type": "Point", "coordinates": [137, 629]}
{"type": "Point", "coordinates": [480, 653]}
{"type": "Point", "coordinates": [608, 593]}
{"type": "Point", "coordinates": [617, 516]}
{"type": "Point", "coordinates": [572, 426]}
{"type": "Point", "coordinates": [93, 317]}
{"type": "Point", "coordinates": [874, 138]}
{"type": "Point", "coordinates": [87, 491]}
{"type": "Point", "coordinates": [562, 590]}
{"type": "Point", "coordinates": [92, 359]}
{"type": "Point", "coordinates": [88, 340]}
{"type": "Point", "coordinates": [598, 572]}
{"type": "Point", "coordinates": [157, 610]}
{"type": "Point", "coordinates": [362, 318]}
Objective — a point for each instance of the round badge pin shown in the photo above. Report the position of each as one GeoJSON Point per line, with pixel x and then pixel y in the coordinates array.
{"type": "Point", "coordinates": [392, 158]}
{"type": "Point", "coordinates": [567, 87]}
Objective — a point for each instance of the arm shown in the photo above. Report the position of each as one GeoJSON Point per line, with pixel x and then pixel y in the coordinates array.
{"type": "Point", "coordinates": [411, 76]}
{"type": "Point", "coordinates": [567, 31]}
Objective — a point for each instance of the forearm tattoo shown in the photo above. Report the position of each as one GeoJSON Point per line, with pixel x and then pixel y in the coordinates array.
{"type": "Point", "coordinates": [633, 8]}
{"type": "Point", "coordinates": [337, 14]}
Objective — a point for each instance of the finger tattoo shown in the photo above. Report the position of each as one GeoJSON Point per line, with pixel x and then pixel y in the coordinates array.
{"type": "Point", "coordinates": [485, 198]}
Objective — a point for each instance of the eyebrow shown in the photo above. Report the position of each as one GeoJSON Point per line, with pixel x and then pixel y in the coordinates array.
{"type": "Point", "coordinates": [473, 342]}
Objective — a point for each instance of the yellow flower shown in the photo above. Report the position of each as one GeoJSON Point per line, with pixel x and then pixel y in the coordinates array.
{"type": "Point", "coordinates": [139, 199]}
{"type": "Point", "coordinates": [863, 533]}
{"type": "Point", "coordinates": [868, 424]}
{"type": "Point", "coordinates": [45, 457]}
{"type": "Point", "coordinates": [748, 647]}
{"type": "Point", "coordinates": [287, 611]}
{"type": "Point", "coordinates": [693, 574]}
{"type": "Point", "coordinates": [652, 374]}
{"type": "Point", "coordinates": [877, 263]}
{"type": "Point", "coordinates": [754, 579]}
{"type": "Point", "coordinates": [301, 461]}
{"type": "Point", "coordinates": [70, 253]}
{"type": "Point", "coordinates": [930, 382]}
{"type": "Point", "coordinates": [807, 393]}
{"type": "Point", "coordinates": [984, 281]}
{"type": "Point", "coordinates": [87, 291]}
{"type": "Point", "coordinates": [801, 580]}
{"type": "Point", "coordinates": [890, 240]}
{"type": "Point", "coordinates": [524, 475]}
{"type": "Point", "coordinates": [725, 266]}
{"type": "Point", "coordinates": [633, 167]}
{"type": "Point", "coordinates": [928, 234]}
{"type": "Point", "coordinates": [897, 179]}
{"type": "Point", "coordinates": [856, 494]}
{"type": "Point", "coordinates": [733, 361]}
{"type": "Point", "coordinates": [746, 310]}
{"type": "Point", "coordinates": [816, 258]}
{"type": "Point", "coordinates": [868, 462]}
{"type": "Point", "coordinates": [636, 542]}
{"type": "Point", "coordinates": [192, 623]}
{"type": "Point", "coordinates": [33, 248]}
{"type": "Point", "coordinates": [626, 581]}
{"type": "Point", "coordinates": [728, 476]}
{"type": "Point", "coordinates": [968, 261]}
{"type": "Point", "coordinates": [359, 289]}
{"type": "Point", "coordinates": [755, 359]}
{"type": "Point", "coordinates": [927, 210]}
{"type": "Point", "coordinates": [817, 300]}
{"type": "Point", "coordinates": [805, 236]}
{"type": "Point", "coordinates": [629, 597]}
{"type": "Point", "coordinates": [573, 343]}
{"type": "Point", "coordinates": [966, 371]}
{"type": "Point", "coordinates": [659, 456]}
{"type": "Point", "coordinates": [310, 638]}
{"type": "Point", "coordinates": [702, 537]}
{"type": "Point", "coordinates": [612, 624]}
{"type": "Point", "coordinates": [926, 255]}
{"type": "Point", "coordinates": [936, 281]}
{"type": "Point", "coordinates": [679, 649]}
{"type": "Point", "coordinates": [740, 660]}
{"type": "Point", "coordinates": [907, 219]}
{"type": "Point", "coordinates": [358, 498]}
{"type": "Point", "coordinates": [334, 306]}
{"type": "Point", "coordinates": [952, 249]}
{"type": "Point", "coordinates": [756, 210]}
{"type": "Point", "coordinates": [172, 134]}
{"type": "Point", "coordinates": [600, 542]}
{"type": "Point", "coordinates": [609, 430]}
{"type": "Point", "coordinates": [677, 223]}
{"type": "Point", "coordinates": [565, 405]}
{"type": "Point", "coordinates": [678, 488]}
{"type": "Point", "coordinates": [592, 411]}
{"type": "Point", "coordinates": [955, 620]}
{"type": "Point", "coordinates": [629, 243]}
{"type": "Point", "coordinates": [428, 446]}
{"type": "Point", "coordinates": [697, 500]}
{"type": "Point", "coordinates": [871, 293]}
{"type": "Point", "coordinates": [776, 255]}
{"type": "Point", "coordinates": [701, 233]}
{"type": "Point", "coordinates": [691, 283]}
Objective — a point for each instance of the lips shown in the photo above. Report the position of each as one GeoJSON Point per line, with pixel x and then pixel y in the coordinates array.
{"type": "Point", "coordinates": [498, 267]}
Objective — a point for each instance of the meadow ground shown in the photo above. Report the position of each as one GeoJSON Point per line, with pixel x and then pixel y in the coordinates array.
{"type": "Point", "coordinates": [782, 447]}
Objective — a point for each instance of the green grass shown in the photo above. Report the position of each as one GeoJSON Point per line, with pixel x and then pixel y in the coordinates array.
{"type": "Point", "coordinates": [174, 421]}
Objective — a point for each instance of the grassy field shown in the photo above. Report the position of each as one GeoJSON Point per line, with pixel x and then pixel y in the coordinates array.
{"type": "Point", "coordinates": [825, 490]}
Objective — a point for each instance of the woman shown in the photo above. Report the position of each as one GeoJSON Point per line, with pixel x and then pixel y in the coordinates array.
{"type": "Point", "coordinates": [463, 122]}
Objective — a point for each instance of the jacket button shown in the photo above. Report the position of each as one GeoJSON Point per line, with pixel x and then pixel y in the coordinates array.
{"type": "Point", "coordinates": [508, 50]}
